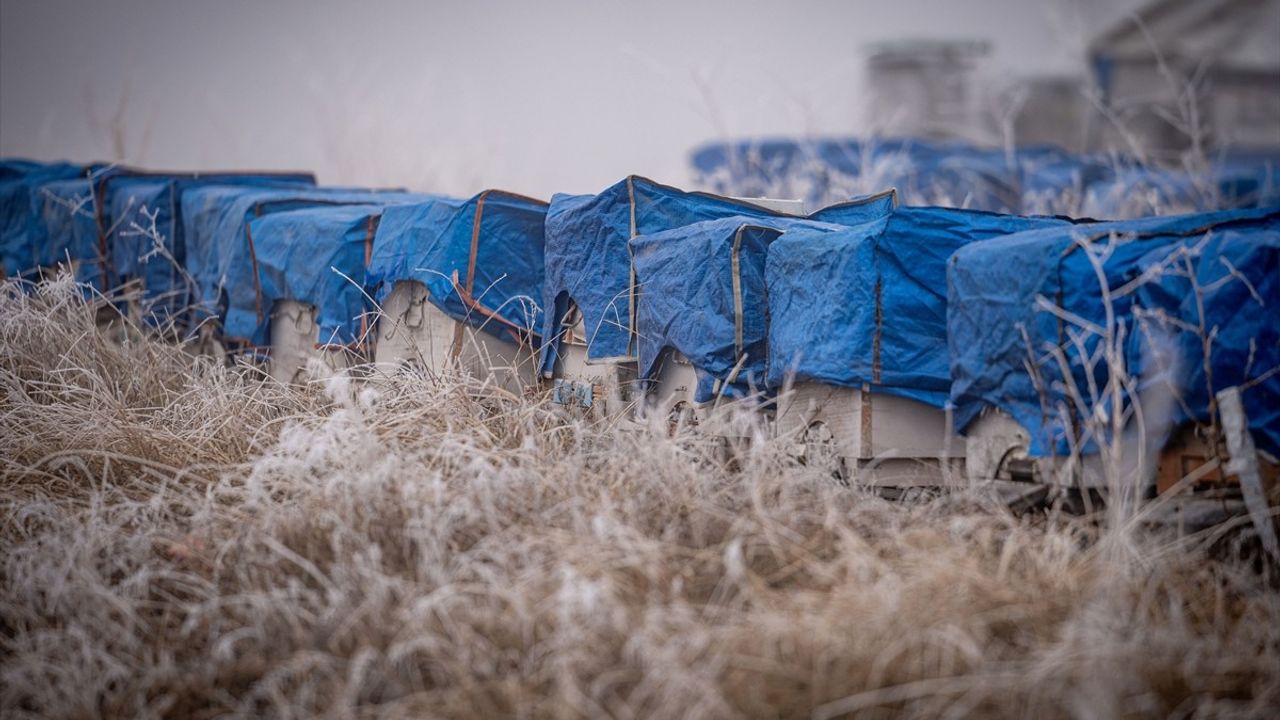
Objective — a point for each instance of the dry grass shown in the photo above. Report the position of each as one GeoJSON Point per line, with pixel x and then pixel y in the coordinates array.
{"type": "Point", "coordinates": [184, 540]}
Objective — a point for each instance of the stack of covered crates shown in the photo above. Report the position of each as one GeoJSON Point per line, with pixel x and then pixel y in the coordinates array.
{"type": "Point", "coordinates": [458, 282]}
{"type": "Point", "coordinates": [142, 244]}
{"type": "Point", "coordinates": [857, 338]}
{"type": "Point", "coordinates": [1076, 350]}
{"type": "Point", "coordinates": [229, 257]}
{"type": "Point", "coordinates": [591, 336]}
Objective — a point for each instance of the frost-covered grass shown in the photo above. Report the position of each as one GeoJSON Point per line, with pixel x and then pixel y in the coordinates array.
{"type": "Point", "coordinates": [181, 539]}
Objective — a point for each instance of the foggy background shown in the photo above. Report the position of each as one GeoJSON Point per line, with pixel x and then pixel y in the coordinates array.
{"type": "Point", "coordinates": [532, 97]}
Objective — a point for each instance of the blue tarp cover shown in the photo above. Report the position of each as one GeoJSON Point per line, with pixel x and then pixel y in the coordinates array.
{"type": "Point", "coordinates": [22, 232]}
{"type": "Point", "coordinates": [702, 294]}
{"type": "Point", "coordinates": [867, 304]}
{"type": "Point", "coordinates": [219, 251]}
{"type": "Point", "coordinates": [71, 229]}
{"type": "Point", "coordinates": [14, 168]}
{"type": "Point", "coordinates": [302, 256]}
{"type": "Point", "coordinates": [588, 260]}
{"type": "Point", "coordinates": [127, 202]}
{"type": "Point", "coordinates": [1028, 179]}
{"type": "Point", "coordinates": [1129, 189]}
{"type": "Point", "coordinates": [1243, 314]}
{"type": "Point", "coordinates": [822, 170]}
{"type": "Point", "coordinates": [144, 224]}
{"type": "Point", "coordinates": [481, 259]}
{"type": "Point", "coordinates": [1000, 326]}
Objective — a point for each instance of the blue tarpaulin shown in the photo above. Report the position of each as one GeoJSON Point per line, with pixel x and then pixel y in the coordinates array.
{"type": "Point", "coordinates": [588, 261]}
{"type": "Point", "coordinates": [867, 304]}
{"type": "Point", "coordinates": [220, 254]}
{"type": "Point", "coordinates": [1061, 182]}
{"type": "Point", "coordinates": [826, 170]}
{"type": "Point", "coordinates": [1230, 180]}
{"type": "Point", "coordinates": [213, 222]}
{"type": "Point", "coordinates": [131, 238]}
{"type": "Point", "coordinates": [481, 259]}
{"type": "Point", "coordinates": [14, 168]}
{"type": "Point", "coordinates": [143, 223]}
{"type": "Point", "coordinates": [75, 225]}
{"type": "Point", "coordinates": [1002, 328]}
{"type": "Point", "coordinates": [315, 256]}
{"type": "Point", "coordinates": [858, 210]}
{"type": "Point", "coordinates": [22, 232]}
{"type": "Point", "coordinates": [1248, 178]}
{"type": "Point", "coordinates": [1242, 314]}
{"type": "Point", "coordinates": [702, 294]}
{"type": "Point", "coordinates": [71, 229]}
{"type": "Point", "coordinates": [1028, 179]}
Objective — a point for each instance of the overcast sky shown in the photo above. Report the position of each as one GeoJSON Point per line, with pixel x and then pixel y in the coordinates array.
{"type": "Point", "coordinates": [535, 97]}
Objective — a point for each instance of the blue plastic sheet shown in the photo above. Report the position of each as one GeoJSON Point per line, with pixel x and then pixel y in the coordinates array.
{"type": "Point", "coordinates": [827, 170]}
{"type": "Point", "coordinates": [858, 210]}
{"type": "Point", "coordinates": [67, 213]}
{"type": "Point", "coordinates": [867, 304]}
{"type": "Point", "coordinates": [481, 259]}
{"type": "Point", "coordinates": [143, 224]}
{"type": "Point", "coordinates": [1004, 334]}
{"type": "Point", "coordinates": [1248, 179]}
{"type": "Point", "coordinates": [1029, 179]}
{"type": "Point", "coordinates": [1235, 273]}
{"type": "Point", "coordinates": [22, 232]}
{"type": "Point", "coordinates": [135, 242]}
{"type": "Point", "coordinates": [220, 255]}
{"type": "Point", "coordinates": [1057, 182]}
{"type": "Point", "coordinates": [14, 168]}
{"type": "Point", "coordinates": [315, 256]}
{"type": "Point", "coordinates": [588, 261]}
{"type": "Point", "coordinates": [1126, 189]}
{"type": "Point", "coordinates": [702, 294]}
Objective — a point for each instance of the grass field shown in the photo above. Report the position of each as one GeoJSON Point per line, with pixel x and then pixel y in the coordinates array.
{"type": "Point", "coordinates": [181, 539]}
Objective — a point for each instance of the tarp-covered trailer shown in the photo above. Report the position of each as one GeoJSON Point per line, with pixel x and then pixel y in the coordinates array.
{"type": "Point", "coordinates": [459, 282]}
{"type": "Point", "coordinates": [589, 327]}
{"type": "Point", "coordinates": [702, 317]}
{"type": "Point", "coordinates": [858, 338]}
{"type": "Point", "coordinates": [311, 264]}
{"type": "Point", "coordinates": [1176, 309]}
